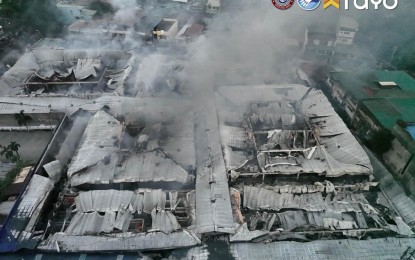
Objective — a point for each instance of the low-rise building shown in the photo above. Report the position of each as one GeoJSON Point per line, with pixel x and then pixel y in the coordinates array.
{"type": "Point", "coordinates": [346, 30]}
{"type": "Point", "coordinates": [167, 29]}
{"type": "Point", "coordinates": [376, 100]}
{"type": "Point", "coordinates": [329, 41]}
{"type": "Point", "coordinates": [111, 28]}
{"type": "Point", "coordinates": [190, 32]}
{"type": "Point", "coordinates": [213, 6]}
{"type": "Point", "coordinates": [80, 73]}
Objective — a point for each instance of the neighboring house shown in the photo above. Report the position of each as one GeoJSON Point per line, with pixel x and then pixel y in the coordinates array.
{"type": "Point", "coordinates": [72, 10]}
{"type": "Point", "coordinates": [167, 29]}
{"type": "Point", "coordinates": [375, 100]}
{"type": "Point", "coordinates": [109, 28]}
{"type": "Point", "coordinates": [326, 40]}
{"type": "Point", "coordinates": [320, 38]}
{"type": "Point", "coordinates": [99, 28]}
{"type": "Point", "coordinates": [190, 32]}
{"type": "Point", "coordinates": [197, 6]}
{"type": "Point", "coordinates": [213, 6]}
{"type": "Point", "coordinates": [346, 30]}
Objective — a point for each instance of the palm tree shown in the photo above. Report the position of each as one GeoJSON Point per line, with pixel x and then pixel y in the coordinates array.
{"type": "Point", "coordinates": [14, 147]}
{"type": "Point", "coordinates": [22, 119]}
{"type": "Point", "coordinates": [11, 152]}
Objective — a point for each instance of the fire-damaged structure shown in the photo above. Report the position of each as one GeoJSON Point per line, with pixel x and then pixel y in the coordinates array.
{"type": "Point", "coordinates": [247, 164]}
{"type": "Point", "coordinates": [128, 188]}
{"type": "Point", "coordinates": [69, 72]}
{"type": "Point", "coordinates": [295, 170]}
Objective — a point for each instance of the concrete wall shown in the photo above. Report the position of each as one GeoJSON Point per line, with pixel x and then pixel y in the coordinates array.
{"type": "Point", "coordinates": [172, 32]}
{"type": "Point", "coordinates": [345, 37]}
{"type": "Point", "coordinates": [338, 93]}
{"type": "Point", "coordinates": [408, 176]}
{"type": "Point", "coordinates": [344, 41]}
{"type": "Point", "coordinates": [401, 158]}
{"type": "Point", "coordinates": [169, 34]}
{"type": "Point", "coordinates": [397, 157]}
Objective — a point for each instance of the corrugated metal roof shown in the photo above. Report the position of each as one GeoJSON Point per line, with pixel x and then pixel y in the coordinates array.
{"type": "Point", "coordinates": [330, 220]}
{"type": "Point", "coordinates": [100, 173]}
{"type": "Point", "coordinates": [213, 211]}
{"type": "Point", "coordinates": [164, 221]}
{"type": "Point", "coordinates": [233, 136]}
{"type": "Point", "coordinates": [272, 107]}
{"type": "Point", "coordinates": [115, 200]}
{"type": "Point", "coordinates": [69, 146]}
{"type": "Point", "coordinates": [180, 146]}
{"type": "Point", "coordinates": [243, 234]}
{"type": "Point", "coordinates": [28, 211]}
{"type": "Point", "coordinates": [86, 67]}
{"type": "Point", "coordinates": [150, 167]}
{"type": "Point", "coordinates": [100, 139]}
{"type": "Point", "coordinates": [341, 145]}
{"type": "Point", "coordinates": [384, 248]}
{"type": "Point", "coordinates": [34, 194]}
{"type": "Point", "coordinates": [94, 223]}
{"type": "Point", "coordinates": [120, 242]}
{"type": "Point", "coordinates": [256, 198]}
{"type": "Point", "coordinates": [53, 169]}
{"type": "Point", "coordinates": [363, 84]}
{"type": "Point", "coordinates": [194, 253]}
{"type": "Point", "coordinates": [395, 193]}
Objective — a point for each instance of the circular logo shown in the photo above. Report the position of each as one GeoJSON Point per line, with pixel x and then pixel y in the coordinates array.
{"type": "Point", "coordinates": [283, 4]}
{"type": "Point", "coordinates": [308, 5]}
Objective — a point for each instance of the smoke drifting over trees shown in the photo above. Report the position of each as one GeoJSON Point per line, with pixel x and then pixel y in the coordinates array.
{"type": "Point", "coordinates": [250, 42]}
{"type": "Point", "coordinates": [36, 15]}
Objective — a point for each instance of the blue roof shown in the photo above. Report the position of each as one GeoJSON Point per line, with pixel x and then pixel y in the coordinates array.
{"type": "Point", "coordinates": [411, 129]}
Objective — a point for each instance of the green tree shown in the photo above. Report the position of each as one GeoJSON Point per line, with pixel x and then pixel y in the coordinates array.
{"type": "Point", "coordinates": [22, 118]}
{"type": "Point", "coordinates": [37, 15]}
{"type": "Point", "coordinates": [14, 147]}
{"type": "Point", "coordinates": [102, 8]}
{"type": "Point", "coordinates": [11, 152]}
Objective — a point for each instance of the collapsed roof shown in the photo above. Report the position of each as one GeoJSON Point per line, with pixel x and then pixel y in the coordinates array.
{"type": "Point", "coordinates": [282, 133]}
{"type": "Point", "coordinates": [98, 209]}
{"type": "Point", "coordinates": [286, 130]}
{"type": "Point", "coordinates": [43, 70]}
{"type": "Point", "coordinates": [99, 158]}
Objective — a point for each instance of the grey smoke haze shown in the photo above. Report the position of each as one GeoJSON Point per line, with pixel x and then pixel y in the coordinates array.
{"type": "Point", "coordinates": [122, 4]}
{"type": "Point", "coordinates": [250, 46]}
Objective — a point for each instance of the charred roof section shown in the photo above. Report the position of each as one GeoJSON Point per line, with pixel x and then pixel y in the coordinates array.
{"type": "Point", "coordinates": [295, 170]}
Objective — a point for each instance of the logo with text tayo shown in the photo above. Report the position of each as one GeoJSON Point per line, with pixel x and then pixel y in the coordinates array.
{"type": "Point", "coordinates": [283, 4]}
{"type": "Point", "coordinates": [308, 5]}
